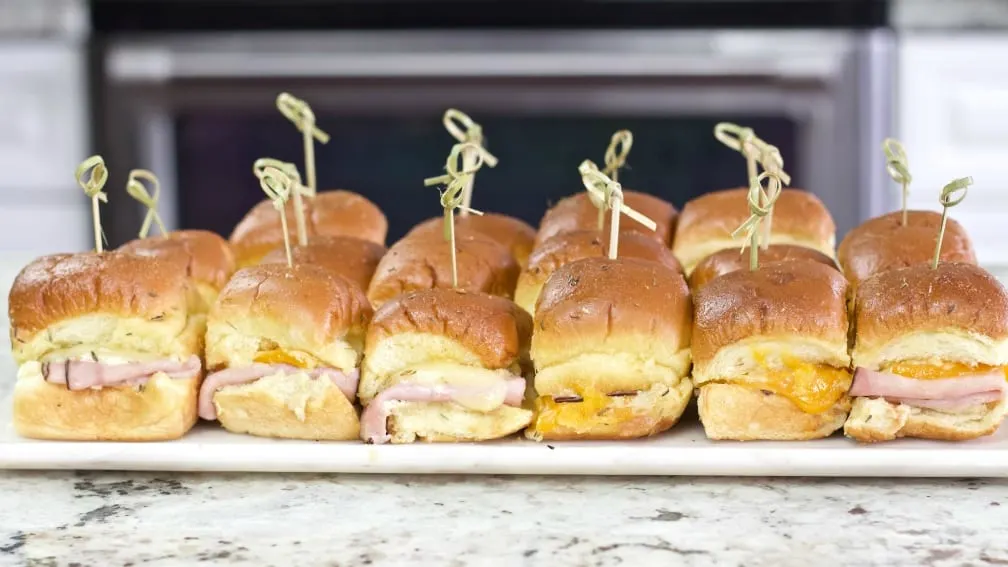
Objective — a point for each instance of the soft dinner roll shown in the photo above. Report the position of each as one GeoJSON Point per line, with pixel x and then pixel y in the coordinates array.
{"type": "Point", "coordinates": [730, 260]}
{"type": "Point", "coordinates": [883, 243]}
{"type": "Point", "coordinates": [445, 365]}
{"type": "Point", "coordinates": [423, 261]}
{"type": "Point", "coordinates": [106, 348]}
{"type": "Point", "coordinates": [571, 246]}
{"type": "Point", "coordinates": [770, 352]}
{"type": "Point", "coordinates": [707, 222]}
{"type": "Point", "coordinates": [283, 349]}
{"type": "Point", "coordinates": [514, 234]}
{"type": "Point", "coordinates": [931, 353]}
{"type": "Point", "coordinates": [577, 212]}
{"type": "Point", "coordinates": [611, 350]}
{"type": "Point", "coordinates": [352, 258]}
{"type": "Point", "coordinates": [329, 213]}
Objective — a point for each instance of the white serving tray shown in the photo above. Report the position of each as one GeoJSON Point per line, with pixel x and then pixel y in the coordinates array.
{"type": "Point", "coordinates": [683, 451]}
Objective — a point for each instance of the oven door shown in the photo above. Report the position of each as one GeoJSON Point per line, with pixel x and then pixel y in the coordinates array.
{"type": "Point", "coordinates": [199, 110]}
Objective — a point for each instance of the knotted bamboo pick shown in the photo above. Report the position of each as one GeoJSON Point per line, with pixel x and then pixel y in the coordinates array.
{"type": "Point", "coordinates": [898, 167]}
{"type": "Point", "coordinates": [466, 131]}
{"type": "Point", "coordinates": [298, 112]}
{"type": "Point", "coordinates": [948, 199]}
{"type": "Point", "coordinates": [455, 180]}
{"type": "Point", "coordinates": [602, 189]}
{"type": "Point", "coordinates": [297, 188]}
{"type": "Point", "coordinates": [94, 166]}
{"type": "Point", "coordinates": [277, 186]}
{"type": "Point", "coordinates": [761, 201]}
{"type": "Point", "coordinates": [614, 159]}
{"type": "Point", "coordinates": [136, 189]}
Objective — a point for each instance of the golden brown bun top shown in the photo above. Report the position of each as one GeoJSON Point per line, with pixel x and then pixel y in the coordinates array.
{"type": "Point", "coordinates": [352, 258]}
{"type": "Point", "coordinates": [730, 260]}
{"type": "Point", "coordinates": [577, 212]}
{"type": "Point", "coordinates": [207, 256]}
{"type": "Point", "coordinates": [719, 213]}
{"type": "Point", "coordinates": [495, 329]}
{"type": "Point", "coordinates": [514, 234]}
{"type": "Point", "coordinates": [956, 296]}
{"type": "Point", "coordinates": [330, 213]}
{"type": "Point", "coordinates": [568, 247]}
{"type": "Point", "coordinates": [307, 297]}
{"type": "Point", "coordinates": [65, 286]}
{"type": "Point", "coordinates": [883, 243]}
{"type": "Point", "coordinates": [423, 261]}
{"type": "Point", "coordinates": [595, 299]}
{"type": "Point", "coordinates": [799, 297]}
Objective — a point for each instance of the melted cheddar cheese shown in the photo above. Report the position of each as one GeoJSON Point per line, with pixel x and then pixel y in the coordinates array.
{"type": "Point", "coordinates": [814, 388]}
{"type": "Point", "coordinates": [293, 358]}
{"type": "Point", "coordinates": [553, 416]}
{"type": "Point", "coordinates": [924, 371]}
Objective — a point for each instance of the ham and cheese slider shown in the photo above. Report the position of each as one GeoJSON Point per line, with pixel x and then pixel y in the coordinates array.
{"type": "Point", "coordinates": [885, 243]}
{"type": "Point", "coordinates": [611, 350]}
{"type": "Point", "coordinates": [770, 352]}
{"type": "Point", "coordinates": [444, 365]}
{"type": "Point", "coordinates": [352, 258]}
{"type": "Point", "coordinates": [423, 261]}
{"type": "Point", "coordinates": [730, 260]}
{"type": "Point", "coordinates": [107, 349]}
{"type": "Point", "coordinates": [578, 212]}
{"type": "Point", "coordinates": [204, 256]}
{"type": "Point", "coordinates": [329, 213]}
{"type": "Point", "coordinates": [569, 247]}
{"type": "Point", "coordinates": [707, 222]}
{"type": "Point", "coordinates": [930, 354]}
{"type": "Point", "coordinates": [283, 347]}
{"type": "Point", "coordinates": [514, 234]}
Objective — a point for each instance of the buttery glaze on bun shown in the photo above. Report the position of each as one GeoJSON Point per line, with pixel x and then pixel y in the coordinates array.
{"type": "Point", "coordinates": [282, 333]}
{"type": "Point", "coordinates": [352, 258]}
{"type": "Point", "coordinates": [514, 234]}
{"type": "Point", "coordinates": [433, 362]}
{"type": "Point", "coordinates": [329, 213]}
{"type": "Point", "coordinates": [206, 258]}
{"type": "Point", "coordinates": [707, 222]}
{"type": "Point", "coordinates": [883, 243]}
{"type": "Point", "coordinates": [568, 247]}
{"type": "Point", "coordinates": [924, 328]}
{"type": "Point", "coordinates": [611, 350]}
{"type": "Point", "coordinates": [577, 212]}
{"type": "Point", "coordinates": [423, 261]}
{"type": "Point", "coordinates": [730, 260]}
{"type": "Point", "coordinates": [102, 309]}
{"type": "Point", "coordinates": [770, 352]}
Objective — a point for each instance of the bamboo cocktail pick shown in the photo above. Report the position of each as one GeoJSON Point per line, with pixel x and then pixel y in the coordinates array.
{"type": "Point", "coordinates": [466, 131]}
{"type": "Point", "coordinates": [277, 186]}
{"type": "Point", "coordinates": [898, 168]}
{"type": "Point", "coordinates": [455, 181]}
{"type": "Point", "coordinates": [94, 166]}
{"type": "Point", "coordinates": [772, 162]}
{"type": "Point", "coordinates": [297, 188]}
{"type": "Point", "coordinates": [761, 201]}
{"type": "Point", "coordinates": [298, 112]}
{"type": "Point", "coordinates": [606, 193]}
{"type": "Point", "coordinates": [948, 198]}
{"type": "Point", "coordinates": [138, 191]}
{"type": "Point", "coordinates": [614, 159]}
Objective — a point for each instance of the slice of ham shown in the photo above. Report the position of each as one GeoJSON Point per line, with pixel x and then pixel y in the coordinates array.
{"type": "Point", "coordinates": [374, 419]}
{"type": "Point", "coordinates": [84, 374]}
{"type": "Point", "coordinates": [345, 381]}
{"type": "Point", "coordinates": [945, 394]}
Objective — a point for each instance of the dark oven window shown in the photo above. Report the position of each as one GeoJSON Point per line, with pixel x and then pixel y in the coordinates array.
{"type": "Point", "coordinates": [387, 158]}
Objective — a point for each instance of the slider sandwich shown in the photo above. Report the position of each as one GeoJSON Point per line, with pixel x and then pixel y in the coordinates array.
{"type": "Point", "coordinates": [707, 222]}
{"type": "Point", "coordinates": [884, 243]}
{"type": "Point", "coordinates": [578, 212]}
{"type": "Point", "coordinates": [444, 365]}
{"type": "Point", "coordinates": [352, 258]}
{"type": "Point", "coordinates": [283, 347]}
{"type": "Point", "coordinates": [729, 260]}
{"type": "Point", "coordinates": [329, 213]}
{"type": "Point", "coordinates": [568, 247]}
{"type": "Point", "coordinates": [770, 352]}
{"type": "Point", "coordinates": [107, 348]}
{"type": "Point", "coordinates": [931, 354]}
{"type": "Point", "coordinates": [514, 234]}
{"type": "Point", "coordinates": [611, 350]}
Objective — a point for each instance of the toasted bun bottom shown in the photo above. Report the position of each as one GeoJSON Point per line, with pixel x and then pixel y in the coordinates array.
{"type": "Point", "coordinates": [875, 419]}
{"type": "Point", "coordinates": [624, 417]}
{"type": "Point", "coordinates": [733, 412]}
{"type": "Point", "coordinates": [449, 422]}
{"type": "Point", "coordinates": [162, 410]}
{"type": "Point", "coordinates": [292, 406]}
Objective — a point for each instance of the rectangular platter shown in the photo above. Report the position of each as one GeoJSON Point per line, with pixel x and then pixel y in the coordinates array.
{"type": "Point", "coordinates": [684, 451]}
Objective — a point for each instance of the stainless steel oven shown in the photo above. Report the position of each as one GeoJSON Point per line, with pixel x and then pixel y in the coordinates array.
{"type": "Point", "coordinates": [198, 109]}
